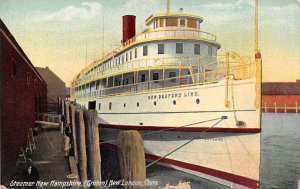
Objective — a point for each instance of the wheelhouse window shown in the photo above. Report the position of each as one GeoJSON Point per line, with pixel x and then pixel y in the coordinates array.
{"type": "Point", "coordinates": [209, 51]}
{"type": "Point", "coordinates": [145, 50]}
{"type": "Point", "coordinates": [182, 23]}
{"type": "Point", "coordinates": [161, 22]}
{"type": "Point", "coordinates": [171, 22]}
{"type": "Point", "coordinates": [196, 48]}
{"type": "Point", "coordinates": [161, 48]}
{"type": "Point", "coordinates": [192, 23]}
{"type": "Point", "coordinates": [179, 48]}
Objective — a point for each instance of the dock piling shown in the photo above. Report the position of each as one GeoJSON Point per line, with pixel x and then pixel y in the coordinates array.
{"type": "Point", "coordinates": [72, 119]}
{"type": "Point", "coordinates": [131, 157]}
{"type": "Point", "coordinates": [81, 145]}
{"type": "Point", "coordinates": [93, 146]}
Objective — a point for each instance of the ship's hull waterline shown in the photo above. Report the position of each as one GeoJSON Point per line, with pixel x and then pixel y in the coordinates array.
{"type": "Point", "coordinates": [220, 150]}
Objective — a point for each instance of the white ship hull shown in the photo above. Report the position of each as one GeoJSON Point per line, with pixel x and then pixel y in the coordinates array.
{"type": "Point", "coordinates": [221, 151]}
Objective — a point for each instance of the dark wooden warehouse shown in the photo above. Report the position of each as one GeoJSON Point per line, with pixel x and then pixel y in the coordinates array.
{"type": "Point", "coordinates": [23, 93]}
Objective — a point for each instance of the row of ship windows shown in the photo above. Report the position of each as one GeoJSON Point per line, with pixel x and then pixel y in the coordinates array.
{"type": "Point", "coordinates": [171, 22]}
{"type": "Point", "coordinates": [138, 104]}
{"type": "Point", "coordinates": [160, 50]}
{"type": "Point", "coordinates": [155, 77]}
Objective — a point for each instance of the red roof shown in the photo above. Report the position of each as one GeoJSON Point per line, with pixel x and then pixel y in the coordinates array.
{"type": "Point", "coordinates": [281, 88]}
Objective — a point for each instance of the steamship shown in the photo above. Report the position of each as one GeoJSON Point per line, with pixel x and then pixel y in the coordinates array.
{"type": "Point", "coordinates": [198, 112]}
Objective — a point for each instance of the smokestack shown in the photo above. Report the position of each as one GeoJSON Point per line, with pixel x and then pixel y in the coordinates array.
{"type": "Point", "coordinates": [128, 27]}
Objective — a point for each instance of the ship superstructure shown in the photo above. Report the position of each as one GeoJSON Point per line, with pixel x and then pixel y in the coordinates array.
{"type": "Point", "coordinates": [168, 83]}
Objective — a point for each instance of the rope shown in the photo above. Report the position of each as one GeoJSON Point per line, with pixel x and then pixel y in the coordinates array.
{"type": "Point", "coordinates": [230, 161]}
{"type": "Point", "coordinates": [254, 160]}
{"type": "Point", "coordinates": [232, 99]}
{"type": "Point", "coordinates": [168, 129]}
{"type": "Point", "coordinates": [186, 143]}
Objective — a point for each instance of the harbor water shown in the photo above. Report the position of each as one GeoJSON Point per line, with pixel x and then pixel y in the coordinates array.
{"type": "Point", "coordinates": [280, 151]}
{"type": "Point", "coordinates": [280, 158]}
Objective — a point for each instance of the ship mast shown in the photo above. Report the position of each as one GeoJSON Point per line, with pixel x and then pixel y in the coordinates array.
{"type": "Point", "coordinates": [256, 50]}
{"type": "Point", "coordinates": [168, 7]}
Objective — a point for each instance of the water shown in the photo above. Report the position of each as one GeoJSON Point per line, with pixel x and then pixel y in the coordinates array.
{"type": "Point", "coordinates": [280, 158]}
{"type": "Point", "coordinates": [280, 151]}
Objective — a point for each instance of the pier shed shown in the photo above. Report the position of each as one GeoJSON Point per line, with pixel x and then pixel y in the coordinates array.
{"type": "Point", "coordinates": [281, 96]}
{"type": "Point", "coordinates": [23, 94]}
{"type": "Point", "coordinates": [56, 87]}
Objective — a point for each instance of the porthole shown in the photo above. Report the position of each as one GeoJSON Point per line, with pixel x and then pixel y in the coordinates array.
{"type": "Point", "coordinates": [174, 102]}
{"type": "Point", "coordinates": [138, 104]}
{"type": "Point", "coordinates": [124, 105]}
{"type": "Point", "coordinates": [197, 101]}
{"type": "Point", "coordinates": [154, 103]}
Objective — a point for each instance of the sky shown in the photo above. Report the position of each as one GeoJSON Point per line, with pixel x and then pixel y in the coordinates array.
{"type": "Point", "coordinates": [65, 35]}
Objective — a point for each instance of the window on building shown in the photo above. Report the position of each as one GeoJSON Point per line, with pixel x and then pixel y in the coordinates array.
{"type": "Point", "coordinates": [14, 67]}
{"type": "Point", "coordinates": [145, 50]}
{"type": "Point", "coordinates": [171, 22]}
{"type": "Point", "coordinates": [172, 75]}
{"type": "Point", "coordinates": [179, 48]}
{"type": "Point", "coordinates": [143, 77]}
{"type": "Point", "coordinates": [209, 51]}
{"type": "Point", "coordinates": [155, 76]}
{"type": "Point", "coordinates": [135, 52]}
{"type": "Point", "coordinates": [196, 48]}
{"type": "Point", "coordinates": [192, 23]}
{"type": "Point", "coordinates": [182, 23]}
{"type": "Point", "coordinates": [28, 78]}
{"type": "Point", "coordinates": [161, 48]}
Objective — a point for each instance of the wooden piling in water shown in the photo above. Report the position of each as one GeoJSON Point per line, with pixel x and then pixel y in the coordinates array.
{"type": "Point", "coordinates": [58, 110]}
{"type": "Point", "coordinates": [62, 107]}
{"type": "Point", "coordinates": [81, 145]}
{"type": "Point", "coordinates": [131, 157]}
{"type": "Point", "coordinates": [93, 146]}
{"type": "Point", "coordinates": [67, 115]}
{"type": "Point", "coordinates": [72, 120]}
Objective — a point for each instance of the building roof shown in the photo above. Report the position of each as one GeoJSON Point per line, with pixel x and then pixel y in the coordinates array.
{"type": "Point", "coordinates": [48, 75]}
{"type": "Point", "coordinates": [281, 88]}
{"type": "Point", "coordinates": [6, 33]}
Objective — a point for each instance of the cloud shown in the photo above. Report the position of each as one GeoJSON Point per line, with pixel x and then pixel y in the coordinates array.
{"type": "Point", "coordinates": [88, 10]}
{"type": "Point", "coordinates": [141, 4]}
{"type": "Point", "coordinates": [288, 7]}
{"type": "Point", "coordinates": [229, 5]}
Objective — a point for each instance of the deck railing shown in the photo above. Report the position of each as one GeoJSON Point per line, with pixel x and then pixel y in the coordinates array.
{"type": "Point", "coordinates": [282, 108]}
{"type": "Point", "coordinates": [160, 34]}
{"type": "Point", "coordinates": [157, 35]}
{"type": "Point", "coordinates": [198, 78]}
